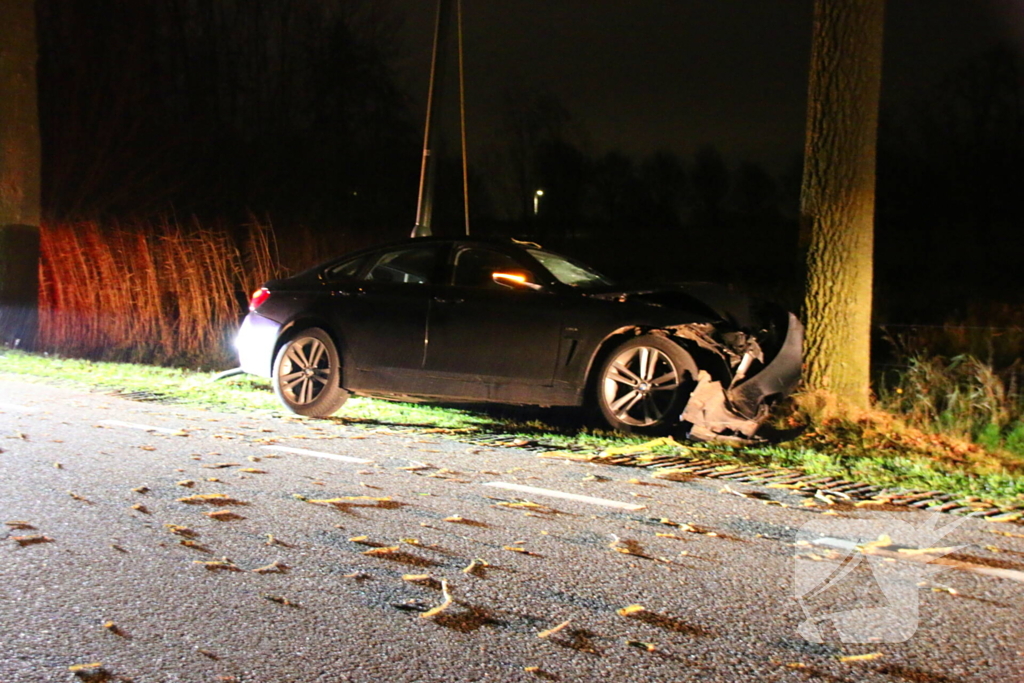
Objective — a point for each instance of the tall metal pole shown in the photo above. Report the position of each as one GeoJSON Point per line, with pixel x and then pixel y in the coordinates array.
{"type": "Point", "coordinates": [462, 124]}
{"type": "Point", "coordinates": [425, 202]}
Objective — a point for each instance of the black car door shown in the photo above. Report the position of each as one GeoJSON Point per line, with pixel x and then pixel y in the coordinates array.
{"type": "Point", "coordinates": [382, 315]}
{"type": "Point", "coordinates": [488, 335]}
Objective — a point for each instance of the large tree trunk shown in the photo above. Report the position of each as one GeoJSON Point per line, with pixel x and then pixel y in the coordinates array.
{"type": "Point", "coordinates": [19, 173]}
{"type": "Point", "coordinates": [838, 194]}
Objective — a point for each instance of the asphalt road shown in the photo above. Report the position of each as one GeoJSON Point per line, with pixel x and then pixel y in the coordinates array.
{"type": "Point", "coordinates": [716, 567]}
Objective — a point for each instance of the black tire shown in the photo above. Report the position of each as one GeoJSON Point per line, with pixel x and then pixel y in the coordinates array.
{"type": "Point", "coordinates": [307, 374]}
{"type": "Point", "coordinates": [644, 385]}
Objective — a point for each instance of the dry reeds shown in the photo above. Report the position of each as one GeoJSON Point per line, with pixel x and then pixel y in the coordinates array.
{"type": "Point", "coordinates": [153, 292]}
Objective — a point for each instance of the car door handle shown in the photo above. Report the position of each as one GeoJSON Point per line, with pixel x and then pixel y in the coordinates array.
{"type": "Point", "coordinates": [446, 300]}
{"type": "Point", "coordinates": [345, 292]}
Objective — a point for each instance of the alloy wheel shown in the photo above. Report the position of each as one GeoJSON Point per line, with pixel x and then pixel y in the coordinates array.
{"type": "Point", "coordinates": [639, 386]}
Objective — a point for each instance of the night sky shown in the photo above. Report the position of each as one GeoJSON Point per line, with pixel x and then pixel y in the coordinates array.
{"type": "Point", "coordinates": [651, 74]}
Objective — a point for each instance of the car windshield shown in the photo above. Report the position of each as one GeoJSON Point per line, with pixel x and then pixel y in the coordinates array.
{"type": "Point", "coordinates": [570, 271]}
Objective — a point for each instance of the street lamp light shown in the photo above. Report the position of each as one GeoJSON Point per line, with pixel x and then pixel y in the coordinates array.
{"type": "Point", "coordinates": [536, 201]}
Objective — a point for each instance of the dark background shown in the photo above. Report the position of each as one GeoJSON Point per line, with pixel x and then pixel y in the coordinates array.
{"type": "Point", "coordinates": [666, 136]}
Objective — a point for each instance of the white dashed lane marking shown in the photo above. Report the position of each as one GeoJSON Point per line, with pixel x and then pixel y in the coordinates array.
{"type": "Point", "coordinates": [142, 427]}
{"type": "Point", "coordinates": [317, 454]}
{"type": "Point", "coordinates": [16, 408]}
{"type": "Point", "coordinates": [567, 496]}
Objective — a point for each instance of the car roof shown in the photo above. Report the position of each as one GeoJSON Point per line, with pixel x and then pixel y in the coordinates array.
{"type": "Point", "coordinates": [484, 240]}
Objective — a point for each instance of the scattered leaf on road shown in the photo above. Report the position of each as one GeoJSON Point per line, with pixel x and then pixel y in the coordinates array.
{"type": "Point", "coordinates": [554, 630]}
{"type": "Point", "coordinates": [862, 658]}
{"type": "Point", "coordinates": [650, 647]}
{"type": "Point", "coordinates": [883, 542]}
{"type": "Point", "coordinates": [195, 545]}
{"type": "Point", "coordinates": [141, 489]}
{"type": "Point", "coordinates": [90, 673]}
{"type": "Point", "coordinates": [416, 578]}
{"type": "Point", "coordinates": [1008, 534]}
{"type": "Point", "coordinates": [223, 515]}
{"type": "Point", "coordinates": [252, 470]}
{"type": "Point", "coordinates": [212, 499]}
{"type": "Point", "coordinates": [389, 550]}
{"type": "Point", "coordinates": [19, 525]}
{"type": "Point", "coordinates": [521, 551]}
{"type": "Point", "coordinates": [114, 628]}
{"type": "Point", "coordinates": [474, 567]}
{"type": "Point", "coordinates": [627, 547]}
{"type": "Point", "coordinates": [78, 497]}
{"type": "Point", "coordinates": [280, 600]}
{"type": "Point", "coordinates": [223, 564]}
{"type": "Point", "coordinates": [275, 567]}
{"type": "Point", "coordinates": [31, 540]}
{"type": "Point", "coordinates": [180, 530]}
{"type": "Point", "coordinates": [630, 609]}
{"type": "Point", "coordinates": [187, 483]}
{"type": "Point", "coordinates": [443, 606]}
{"type": "Point", "coordinates": [141, 508]}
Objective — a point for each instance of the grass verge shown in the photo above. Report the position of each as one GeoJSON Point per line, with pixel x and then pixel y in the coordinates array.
{"type": "Point", "coordinates": [876, 450]}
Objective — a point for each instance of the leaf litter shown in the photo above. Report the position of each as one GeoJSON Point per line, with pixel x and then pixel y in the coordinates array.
{"type": "Point", "coordinates": [19, 525]}
{"type": "Point", "coordinates": [552, 631]}
{"type": "Point", "coordinates": [275, 567]}
{"type": "Point", "coordinates": [223, 564]}
{"type": "Point", "coordinates": [224, 515]}
{"type": "Point", "coordinates": [33, 539]}
{"type": "Point", "coordinates": [443, 606]}
{"type": "Point", "coordinates": [211, 499]}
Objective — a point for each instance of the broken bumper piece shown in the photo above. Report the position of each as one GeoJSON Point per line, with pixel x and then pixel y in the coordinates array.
{"type": "Point", "coordinates": [734, 414]}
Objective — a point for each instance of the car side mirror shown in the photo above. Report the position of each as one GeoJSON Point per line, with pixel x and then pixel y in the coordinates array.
{"type": "Point", "coordinates": [515, 279]}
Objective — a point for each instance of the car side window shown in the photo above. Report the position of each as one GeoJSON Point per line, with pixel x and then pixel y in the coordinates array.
{"type": "Point", "coordinates": [474, 266]}
{"type": "Point", "coordinates": [346, 270]}
{"type": "Point", "coordinates": [415, 265]}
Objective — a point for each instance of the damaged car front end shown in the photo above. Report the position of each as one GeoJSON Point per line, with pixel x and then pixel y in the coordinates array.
{"type": "Point", "coordinates": [748, 356]}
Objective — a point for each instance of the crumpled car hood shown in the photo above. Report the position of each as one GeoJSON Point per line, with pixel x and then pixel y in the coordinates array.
{"type": "Point", "coordinates": [715, 300]}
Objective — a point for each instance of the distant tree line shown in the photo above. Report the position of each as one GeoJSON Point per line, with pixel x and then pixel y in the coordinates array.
{"type": "Point", "coordinates": [282, 106]}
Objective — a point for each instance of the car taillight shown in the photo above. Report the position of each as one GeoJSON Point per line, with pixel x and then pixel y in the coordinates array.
{"type": "Point", "coordinates": [258, 297]}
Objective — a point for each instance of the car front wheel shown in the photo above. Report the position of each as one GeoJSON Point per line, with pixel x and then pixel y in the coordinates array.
{"type": "Point", "coordinates": [307, 374]}
{"type": "Point", "coordinates": [644, 385]}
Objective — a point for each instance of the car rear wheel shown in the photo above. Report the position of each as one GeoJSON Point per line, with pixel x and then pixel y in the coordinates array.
{"type": "Point", "coordinates": [644, 385]}
{"type": "Point", "coordinates": [307, 374]}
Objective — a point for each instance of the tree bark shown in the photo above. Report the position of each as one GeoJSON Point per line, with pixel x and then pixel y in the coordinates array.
{"type": "Point", "coordinates": [20, 163]}
{"type": "Point", "coordinates": [837, 201]}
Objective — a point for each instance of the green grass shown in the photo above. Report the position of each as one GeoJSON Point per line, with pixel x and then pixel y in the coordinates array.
{"type": "Point", "coordinates": [847, 456]}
